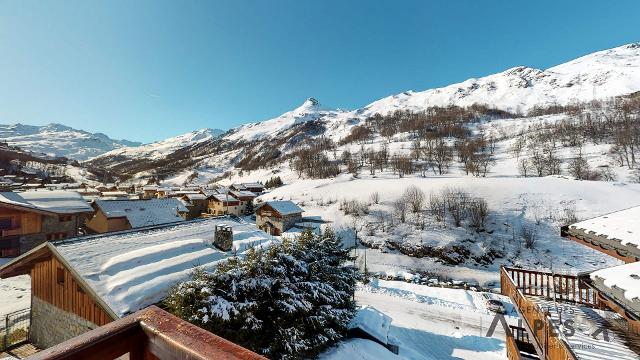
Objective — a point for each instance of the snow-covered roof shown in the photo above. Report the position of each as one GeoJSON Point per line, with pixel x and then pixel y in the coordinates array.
{"type": "Point", "coordinates": [150, 188]}
{"type": "Point", "coordinates": [142, 213]}
{"type": "Point", "coordinates": [373, 322]}
{"type": "Point", "coordinates": [622, 225]}
{"type": "Point", "coordinates": [196, 196]}
{"type": "Point", "coordinates": [243, 193]}
{"type": "Point", "coordinates": [114, 193]}
{"type": "Point", "coordinates": [624, 277]}
{"type": "Point", "coordinates": [238, 186]}
{"type": "Point", "coordinates": [209, 192]}
{"type": "Point", "coordinates": [61, 202]}
{"type": "Point", "coordinates": [134, 269]}
{"type": "Point", "coordinates": [284, 207]}
{"type": "Point", "coordinates": [223, 197]}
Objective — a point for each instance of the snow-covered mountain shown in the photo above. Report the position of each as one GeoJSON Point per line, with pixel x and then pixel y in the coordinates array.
{"type": "Point", "coordinates": [310, 110]}
{"type": "Point", "coordinates": [59, 140]}
{"type": "Point", "coordinates": [600, 75]}
{"type": "Point", "coordinates": [159, 149]}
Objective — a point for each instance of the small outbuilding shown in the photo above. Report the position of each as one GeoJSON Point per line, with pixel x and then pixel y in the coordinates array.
{"type": "Point", "coordinates": [276, 217]}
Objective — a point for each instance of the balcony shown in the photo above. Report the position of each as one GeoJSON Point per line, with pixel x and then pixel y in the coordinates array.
{"type": "Point", "coordinates": [11, 232]}
{"type": "Point", "coordinates": [150, 333]}
{"type": "Point", "coordinates": [564, 318]}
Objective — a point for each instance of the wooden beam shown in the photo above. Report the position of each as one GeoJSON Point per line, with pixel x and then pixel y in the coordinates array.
{"type": "Point", "coordinates": [22, 264]}
{"type": "Point", "coordinates": [151, 333]}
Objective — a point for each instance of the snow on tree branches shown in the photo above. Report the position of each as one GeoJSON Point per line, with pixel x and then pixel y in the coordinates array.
{"type": "Point", "coordinates": [290, 300]}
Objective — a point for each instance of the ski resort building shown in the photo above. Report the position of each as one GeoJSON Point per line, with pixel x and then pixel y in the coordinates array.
{"type": "Point", "coordinates": [118, 215]}
{"type": "Point", "coordinates": [82, 283]}
{"type": "Point", "coordinates": [28, 219]}
{"type": "Point", "coordinates": [594, 315]}
{"type": "Point", "coordinates": [276, 217]}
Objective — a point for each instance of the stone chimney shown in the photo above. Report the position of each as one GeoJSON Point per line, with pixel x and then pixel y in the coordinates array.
{"type": "Point", "coordinates": [223, 237]}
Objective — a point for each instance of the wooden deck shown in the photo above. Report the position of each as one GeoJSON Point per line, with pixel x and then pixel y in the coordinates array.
{"type": "Point", "coordinates": [544, 300]}
{"type": "Point", "coordinates": [21, 351]}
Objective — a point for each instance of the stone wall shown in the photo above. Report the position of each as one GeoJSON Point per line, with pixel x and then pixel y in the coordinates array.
{"type": "Point", "coordinates": [51, 326]}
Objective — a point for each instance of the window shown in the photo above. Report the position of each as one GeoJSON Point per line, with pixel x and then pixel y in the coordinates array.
{"type": "Point", "coordinates": [60, 276]}
{"type": "Point", "coordinates": [56, 236]}
{"type": "Point", "coordinates": [64, 218]}
{"type": "Point", "coordinates": [5, 223]}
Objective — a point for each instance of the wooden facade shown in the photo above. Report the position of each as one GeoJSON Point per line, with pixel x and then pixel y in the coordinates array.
{"type": "Point", "coordinates": [25, 226]}
{"type": "Point", "coordinates": [223, 205]}
{"type": "Point", "coordinates": [14, 224]}
{"type": "Point", "coordinates": [21, 222]}
{"type": "Point", "coordinates": [52, 282]}
{"type": "Point", "coordinates": [100, 223]}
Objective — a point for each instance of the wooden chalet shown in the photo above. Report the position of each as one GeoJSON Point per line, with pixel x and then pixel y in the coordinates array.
{"type": "Point", "coordinates": [80, 284]}
{"type": "Point", "coordinates": [225, 204]}
{"type": "Point", "coordinates": [118, 215]}
{"type": "Point", "coordinates": [276, 217]}
{"type": "Point", "coordinates": [594, 315]}
{"type": "Point", "coordinates": [30, 218]}
{"type": "Point", "coordinates": [196, 204]}
{"type": "Point", "coordinates": [149, 191]}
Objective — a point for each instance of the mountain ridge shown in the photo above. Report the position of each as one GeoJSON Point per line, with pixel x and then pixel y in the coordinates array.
{"type": "Point", "coordinates": [517, 90]}
{"type": "Point", "coordinates": [58, 140]}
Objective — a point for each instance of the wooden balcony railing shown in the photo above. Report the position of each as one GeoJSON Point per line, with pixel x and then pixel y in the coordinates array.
{"type": "Point", "coordinates": [567, 288]}
{"type": "Point", "coordinates": [546, 341]}
{"type": "Point", "coordinates": [513, 353]}
{"type": "Point", "coordinates": [149, 334]}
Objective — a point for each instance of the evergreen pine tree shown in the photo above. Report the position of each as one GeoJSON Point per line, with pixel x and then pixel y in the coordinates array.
{"type": "Point", "coordinates": [290, 300]}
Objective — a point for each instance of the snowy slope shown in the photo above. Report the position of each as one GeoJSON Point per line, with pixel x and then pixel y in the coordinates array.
{"type": "Point", "coordinates": [599, 75]}
{"type": "Point", "coordinates": [159, 149]}
{"type": "Point", "coordinates": [60, 140]}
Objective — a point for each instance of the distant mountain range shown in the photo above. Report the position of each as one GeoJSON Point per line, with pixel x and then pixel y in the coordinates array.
{"type": "Point", "coordinates": [599, 75]}
{"type": "Point", "coordinates": [60, 140]}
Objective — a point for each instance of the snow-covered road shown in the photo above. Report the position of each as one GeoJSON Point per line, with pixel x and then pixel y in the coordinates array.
{"type": "Point", "coordinates": [429, 322]}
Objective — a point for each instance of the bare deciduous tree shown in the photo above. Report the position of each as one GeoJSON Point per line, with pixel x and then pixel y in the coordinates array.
{"type": "Point", "coordinates": [400, 207]}
{"type": "Point", "coordinates": [415, 198]}
{"type": "Point", "coordinates": [375, 197]}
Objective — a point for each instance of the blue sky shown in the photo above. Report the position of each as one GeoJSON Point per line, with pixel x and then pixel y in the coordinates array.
{"type": "Point", "coordinates": [147, 70]}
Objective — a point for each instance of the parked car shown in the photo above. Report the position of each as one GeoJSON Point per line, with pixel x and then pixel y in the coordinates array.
{"type": "Point", "coordinates": [493, 305]}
